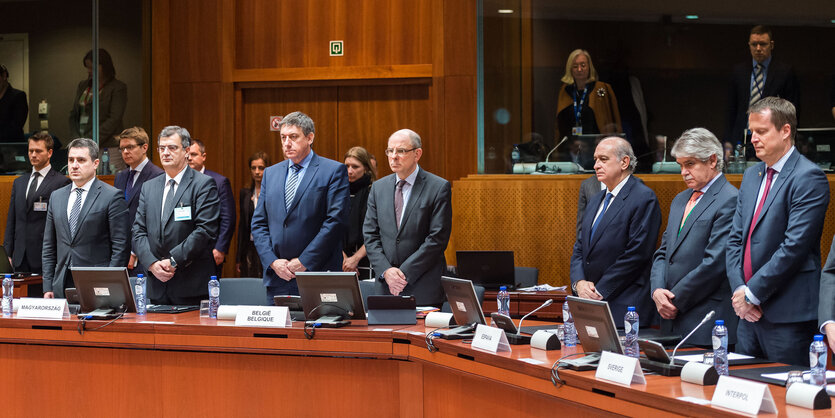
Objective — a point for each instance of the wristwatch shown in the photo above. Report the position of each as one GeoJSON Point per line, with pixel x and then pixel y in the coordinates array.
{"type": "Point", "coordinates": [172, 261]}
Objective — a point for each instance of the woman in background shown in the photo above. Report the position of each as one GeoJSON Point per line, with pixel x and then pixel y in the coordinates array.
{"type": "Point", "coordinates": [360, 177]}
{"type": "Point", "coordinates": [585, 105]}
{"type": "Point", "coordinates": [248, 262]}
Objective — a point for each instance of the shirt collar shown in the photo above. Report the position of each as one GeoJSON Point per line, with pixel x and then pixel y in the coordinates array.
{"type": "Point", "coordinates": [765, 63]}
{"type": "Point", "coordinates": [203, 170]}
{"type": "Point", "coordinates": [178, 178]}
{"type": "Point", "coordinates": [305, 161]}
{"type": "Point", "coordinates": [410, 179]}
{"type": "Point", "coordinates": [87, 185]}
{"type": "Point", "coordinates": [710, 183]}
{"type": "Point", "coordinates": [141, 165]}
{"type": "Point", "coordinates": [620, 185]}
{"type": "Point", "coordinates": [778, 166]}
{"type": "Point", "coordinates": [43, 171]}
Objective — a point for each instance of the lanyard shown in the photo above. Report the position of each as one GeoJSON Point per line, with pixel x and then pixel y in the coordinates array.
{"type": "Point", "coordinates": [578, 107]}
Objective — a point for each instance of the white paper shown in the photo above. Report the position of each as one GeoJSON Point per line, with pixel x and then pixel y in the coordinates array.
{"type": "Point", "coordinates": [699, 357]}
{"type": "Point", "coordinates": [532, 361]}
{"type": "Point", "coordinates": [694, 400]}
{"type": "Point", "coordinates": [830, 374]}
{"type": "Point", "coordinates": [830, 389]}
{"type": "Point", "coordinates": [382, 329]}
{"type": "Point", "coordinates": [541, 288]}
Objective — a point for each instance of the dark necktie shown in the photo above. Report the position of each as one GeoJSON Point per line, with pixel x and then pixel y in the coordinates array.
{"type": "Point", "coordinates": [169, 198]}
{"type": "Point", "coordinates": [129, 184]}
{"type": "Point", "coordinates": [292, 184]}
{"type": "Point", "coordinates": [609, 197]}
{"type": "Point", "coordinates": [76, 209]}
{"type": "Point", "coordinates": [30, 195]}
{"type": "Point", "coordinates": [398, 202]}
{"type": "Point", "coordinates": [747, 269]}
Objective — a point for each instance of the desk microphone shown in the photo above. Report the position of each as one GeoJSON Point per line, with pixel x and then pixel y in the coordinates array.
{"type": "Point", "coordinates": [547, 302]}
{"type": "Point", "coordinates": [565, 138]}
{"type": "Point", "coordinates": [707, 318]}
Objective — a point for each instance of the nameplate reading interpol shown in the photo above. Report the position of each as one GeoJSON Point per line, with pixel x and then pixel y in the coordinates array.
{"type": "Point", "coordinates": [491, 339]}
{"type": "Point", "coordinates": [742, 395]}
{"type": "Point", "coordinates": [619, 369]}
{"type": "Point", "coordinates": [43, 308]}
{"type": "Point", "coordinates": [263, 316]}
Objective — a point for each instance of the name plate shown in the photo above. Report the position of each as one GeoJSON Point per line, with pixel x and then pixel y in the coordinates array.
{"type": "Point", "coordinates": [619, 369]}
{"type": "Point", "coordinates": [490, 339]}
{"type": "Point", "coordinates": [43, 308]}
{"type": "Point", "coordinates": [263, 316]}
{"type": "Point", "coordinates": [742, 395]}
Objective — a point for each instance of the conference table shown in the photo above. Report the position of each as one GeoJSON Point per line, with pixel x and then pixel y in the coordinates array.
{"type": "Point", "coordinates": [187, 365]}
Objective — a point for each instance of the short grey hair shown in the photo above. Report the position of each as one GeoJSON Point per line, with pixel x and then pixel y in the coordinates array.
{"type": "Point", "coordinates": [174, 129]}
{"type": "Point", "coordinates": [623, 149]}
{"type": "Point", "coordinates": [300, 120]}
{"type": "Point", "coordinates": [699, 143]}
{"type": "Point", "coordinates": [414, 138]}
{"type": "Point", "coordinates": [88, 143]}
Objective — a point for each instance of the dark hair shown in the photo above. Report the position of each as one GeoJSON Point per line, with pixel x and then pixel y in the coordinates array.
{"type": "Point", "coordinates": [258, 155]}
{"type": "Point", "coordinates": [200, 145]}
{"type": "Point", "coordinates": [45, 137]}
{"type": "Point", "coordinates": [364, 157]}
{"type": "Point", "coordinates": [762, 30]}
{"type": "Point", "coordinates": [108, 72]}
{"type": "Point", "coordinates": [782, 112]}
{"type": "Point", "coordinates": [185, 137]}
{"type": "Point", "coordinates": [4, 70]}
{"type": "Point", "coordinates": [88, 143]}
{"type": "Point", "coordinates": [137, 134]}
{"type": "Point", "coordinates": [300, 120]}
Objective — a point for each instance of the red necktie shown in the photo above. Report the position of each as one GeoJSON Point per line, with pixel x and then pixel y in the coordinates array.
{"type": "Point", "coordinates": [746, 258]}
{"type": "Point", "coordinates": [689, 207]}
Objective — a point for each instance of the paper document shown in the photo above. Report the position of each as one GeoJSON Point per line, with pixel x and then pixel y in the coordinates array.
{"type": "Point", "coordinates": [541, 288]}
{"type": "Point", "coordinates": [830, 374]}
{"type": "Point", "coordinates": [699, 357]}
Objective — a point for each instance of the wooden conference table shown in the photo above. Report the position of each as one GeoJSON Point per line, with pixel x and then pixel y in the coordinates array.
{"type": "Point", "coordinates": [184, 365]}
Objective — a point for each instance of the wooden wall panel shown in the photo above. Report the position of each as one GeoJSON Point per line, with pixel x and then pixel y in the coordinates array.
{"type": "Point", "coordinates": [195, 40]}
{"type": "Point", "coordinates": [461, 155]}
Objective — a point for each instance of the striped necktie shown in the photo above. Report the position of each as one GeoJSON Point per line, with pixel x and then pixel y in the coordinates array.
{"type": "Point", "coordinates": [757, 85]}
{"type": "Point", "coordinates": [292, 184]}
{"type": "Point", "coordinates": [76, 210]}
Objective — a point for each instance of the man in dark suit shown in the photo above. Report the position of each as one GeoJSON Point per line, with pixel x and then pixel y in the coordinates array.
{"type": "Point", "coordinates": [408, 223]}
{"type": "Point", "coordinates": [14, 109]}
{"type": "Point", "coordinates": [613, 252]}
{"type": "Point", "coordinates": [688, 277]}
{"type": "Point", "coordinates": [86, 225]}
{"type": "Point", "coordinates": [302, 214]}
{"type": "Point", "coordinates": [197, 161]}
{"type": "Point", "coordinates": [773, 257]}
{"type": "Point", "coordinates": [133, 143]}
{"type": "Point", "coordinates": [28, 206]}
{"type": "Point", "coordinates": [826, 307]}
{"type": "Point", "coordinates": [760, 77]}
{"type": "Point", "coordinates": [176, 225]}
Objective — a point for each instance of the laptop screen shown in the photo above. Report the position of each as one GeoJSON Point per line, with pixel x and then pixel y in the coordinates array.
{"type": "Point", "coordinates": [491, 269]}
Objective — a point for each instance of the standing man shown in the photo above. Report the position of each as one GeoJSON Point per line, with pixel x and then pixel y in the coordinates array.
{"type": "Point", "coordinates": [28, 206]}
{"type": "Point", "coordinates": [613, 253]}
{"type": "Point", "coordinates": [408, 223]}
{"type": "Point", "coordinates": [197, 161]}
{"type": "Point", "coordinates": [773, 257]}
{"type": "Point", "coordinates": [133, 143]}
{"type": "Point", "coordinates": [176, 225]}
{"type": "Point", "coordinates": [688, 274]}
{"type": "Point", "coordinates": [86, 225]}
{"type": "Point", "coordinates": [302, 214]}
{"type": "Point", "coordinates": [826, 308]}
{"type": "Point", "coordinates": [760, 77]}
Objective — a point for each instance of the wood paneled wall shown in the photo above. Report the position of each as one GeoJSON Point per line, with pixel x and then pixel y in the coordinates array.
{"type": "Point", "coordinates": [222, 68]}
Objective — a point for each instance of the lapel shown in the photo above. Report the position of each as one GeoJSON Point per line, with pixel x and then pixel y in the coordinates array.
{"type": "Point", "coordinates": [309, 175]}
{"type": "Point", "coordinates": [60, 200]}
{"type": "Point", "coordinates": [705, 202]}
{"type": "Point", "coordinates": [613, 210]}
{"type": "Point", "coordinates": [280, 179]}
{"type": "Point", "coordinates": [137, 186]}
{"type": "Point", "coordinates": [414, 197]}
{"type": "Point", "coordinates": [188, 178]}
{"type": "Point", "coordinates": [588, 218]}
{"type": "Point", "coordinates": [90, 200]}
{"type": "Point", "coordinates": [778, 184]}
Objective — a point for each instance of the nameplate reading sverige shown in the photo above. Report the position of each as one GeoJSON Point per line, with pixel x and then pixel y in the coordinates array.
{"type": "Point", "coordinates": [43, 308]}
{"type": "Point", "coordinates": [263, 316]}
{"type": "Point", "coordinates": [619, 369]}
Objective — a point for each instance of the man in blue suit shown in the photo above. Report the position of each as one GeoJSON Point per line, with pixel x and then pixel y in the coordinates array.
{"type": "Point", "coordinates": [773, 257]}
{"type": "Point", "coordinates": [688, 273]}
{"type": "Point", "coordinates": [133, 143]}
{"type": "Point", "coordinates": [613, 252]}
{"type": "Point", "coordinates": [197, 161]}
{"type": "Point", "coordinates": [302, 215]}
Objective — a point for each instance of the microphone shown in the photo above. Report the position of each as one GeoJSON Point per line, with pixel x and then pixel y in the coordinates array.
{"type": "Point", "coordinates": [706, 318]}
{"type": "Point", "coordinates": [565, 138]}
{"type": "Point", "coordinates": [546, 303]}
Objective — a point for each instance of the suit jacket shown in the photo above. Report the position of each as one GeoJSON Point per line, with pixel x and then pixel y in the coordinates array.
{"type": "Point", "coordinates": [101, 238]}
{"type": "Point", "coordinates": [313, 228]}
{"type": "Point", "coordinates": [113, 99]}
{"type": "Point", "coordinates": [785, 244]}
{"type": "Point", "coordinates": [826, 306]}
{"type": "Point", "coordinates": [189, 242]}
{"type": "Point", "coordinates": [14, 109]}
{"type": "Point", "coordinates": [691, 264]}
{"type": "Point", "coordinates": [619, 257]}
{"type": "Point", "coordinates": [588, 189]}
{"type": "Point", "coordinates": [227, 211]}
{"type": "Point", "coordinates": [417, 248]}
{"type": "Point", "coordinates": [244, 223]}
{"type": "Point", "coordinates": [24, 226]}
{"type": "Point", "coordinates": [148, 172]}
{"type": "Point", "coordinates": [780, 81]}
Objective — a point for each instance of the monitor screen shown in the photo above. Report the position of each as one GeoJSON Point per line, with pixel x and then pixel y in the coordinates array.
{"type": "Point", "coordinates": [595, 326]}
{"type": "Point", "coordinates": [14, 158]}
{"type": "Point", "coordinates": [330, 294]}
{"type": "Point", "coordinates": [103, 288]}
{"type": "Point", "coordinates": [463, 301]}
{"type": "Point", "coordinates": [490, 269]}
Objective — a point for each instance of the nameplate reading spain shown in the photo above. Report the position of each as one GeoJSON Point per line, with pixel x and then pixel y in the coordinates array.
{"type": "Point", "coordinates": [43, 308]}
{"type": "Point", "coordinates": [742, 395]}
{"type": "Point", "coordinates": [491, 339]}
{"type": "Point", "coordinates": [263, 316]}
{"type": "Point", "coordinates": [619, 369]}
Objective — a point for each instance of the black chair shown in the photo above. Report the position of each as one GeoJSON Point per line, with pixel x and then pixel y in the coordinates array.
{"type": "Point", "coordinates": [526, 276]}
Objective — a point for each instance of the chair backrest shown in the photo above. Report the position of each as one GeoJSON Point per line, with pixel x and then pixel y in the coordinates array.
{"type": "Point", "coordinates": [243, 291]}
{"type": "Point", "coordinates": [479, 293]}
{"type": "Point", "coordinates": [369, 288]}
{"type": "Point", "coordinates": [526, 276]}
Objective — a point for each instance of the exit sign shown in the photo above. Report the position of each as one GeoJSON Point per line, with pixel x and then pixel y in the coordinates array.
{"type": "Point", "coordinates": [336, 49]}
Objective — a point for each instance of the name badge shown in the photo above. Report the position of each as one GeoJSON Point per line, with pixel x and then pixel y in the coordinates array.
{"type": "Point", "coordinates": [84, 119]}
{"type": "Point", "coordinates": [40, 207]}
{"type": "Point", "coordinates": [263, 316]}
{"type": "Point", "coordinates": [577, 130]}
{"type": "Point", "coordinates": [182, 213]}
{"type": "Point", "coordinates": [43, 308]}
{"type": "Point", "coordinates": [742, 395]}
{"type": "Point", "coordinates": [619, 369]}
{"type": "Point", "coordinates": [490, 339]}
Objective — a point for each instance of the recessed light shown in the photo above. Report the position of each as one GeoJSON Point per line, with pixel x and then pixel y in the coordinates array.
{"type": "Point", "coordinates": [505, 11]}
{"type": "Point", "coordinates": [691, 17]}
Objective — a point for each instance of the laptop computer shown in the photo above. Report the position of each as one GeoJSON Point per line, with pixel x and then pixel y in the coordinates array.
{"type": "Point", "coordinates": [465, 308]}
{"type": "Point", "coordinates": [103, 290]}
{"type": "Point", "coordinates": [596, 331]}
{"type": "Point", "coordinates": [491, 269]}
{"type": "Point", "coordinates": [6, 266]}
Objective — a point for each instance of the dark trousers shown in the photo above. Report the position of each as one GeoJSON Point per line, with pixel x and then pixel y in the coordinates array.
{"type": "Point", "coordinates": [783, 343]}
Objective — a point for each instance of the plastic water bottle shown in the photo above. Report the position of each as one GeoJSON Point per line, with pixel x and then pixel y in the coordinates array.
{"type": "Point", "coordinates": [214, 296]}
{"type": "Point", "coordinates": [105, 162]}
{"type": "Point", "coordinates": [503, 299]}
{"type": "Point", "coordinates": [515, 155]}
{"type": "Point", "coordinates": [568, 331]}
{"type": "Point", "coordinates": [8, 295]}
{"type": "Point", "coordinates": [817, 361]}
{"type": "Point", "coordinates": [720, 347]}
{"type": "Point", "coordinates": [631, 324]}
{"type": "Point", "coordinates": [140, 291]}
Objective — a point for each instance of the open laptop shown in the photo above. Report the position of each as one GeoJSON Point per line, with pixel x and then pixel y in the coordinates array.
{"type": "Point", "coordinates": [491, 269]}
{"type": "Point", "coordinates": [596, 331]}
{"type": "Point", "coordinates": [465, 308]}
{"type": "Point", "coordinates": [6, 267]}
{"type": "Point", "coordinates": [103, 290]}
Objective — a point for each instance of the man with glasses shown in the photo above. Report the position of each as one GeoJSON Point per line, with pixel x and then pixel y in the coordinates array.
{"type": "Point", "coordinates": [408, 223]}
{"type": "Point", "coordinates": [760, 77]}
{"type": "Point", "coordinates": [176, 225]}
{"type": "Point", "coordinates": [133, 144]}
{"type": "Point", "coordinates": [302, 215]}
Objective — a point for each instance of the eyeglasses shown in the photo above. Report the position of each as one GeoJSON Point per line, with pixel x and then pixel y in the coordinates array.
{"type": "Point", "coordinates": [170, 148]}
{"type": "Point", "coordinates": [128, 148]}
{"type": "Point", "coordinates": [390, 152]}
{"type": "Point", "coordinates": [291, 137]}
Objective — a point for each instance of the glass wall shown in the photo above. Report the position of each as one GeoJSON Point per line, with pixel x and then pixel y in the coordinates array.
{"type": "Point", "coordinates": [661, 68]}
